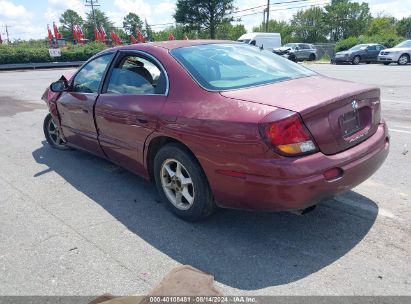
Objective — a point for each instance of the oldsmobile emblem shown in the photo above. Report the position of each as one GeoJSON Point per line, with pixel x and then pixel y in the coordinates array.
{"type": "Point", "coordinates": [354, 105]}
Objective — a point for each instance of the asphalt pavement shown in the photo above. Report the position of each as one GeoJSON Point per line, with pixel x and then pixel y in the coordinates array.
{"type": "Point", "coordinates": [74, 224]}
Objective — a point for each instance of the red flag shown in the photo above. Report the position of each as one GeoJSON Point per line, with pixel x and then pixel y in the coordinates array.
{"type": "Point", "coordinates": [115, 38]}
{"type": "Point", "coordinates": [103, 34]}
{"type": "Point", "coordinates": [97, 34]}
{"type": "Point", "coordinates": [140, 37]}
{"type": "Point", "coordinates": [133, 39]}
{"type": "Point", "coordinates": [80, 32]}
{"type": "Point", "coordinates": [170, 37]}
{"type": "Point", "coordinates": [56, 31]}
{"type": "Point", "coordinates": [185, 37]}
{"type": "Point", "coordinates": [50, 35]}
{"type": "Point", "coordinates": [75, 33]}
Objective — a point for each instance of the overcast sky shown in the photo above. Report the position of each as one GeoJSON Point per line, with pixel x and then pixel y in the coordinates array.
{"type": "Point", "coordinates": [29, 18]}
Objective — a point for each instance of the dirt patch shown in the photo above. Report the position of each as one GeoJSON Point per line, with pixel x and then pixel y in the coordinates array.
{"type": "Point", "coordinates": [10, 106]}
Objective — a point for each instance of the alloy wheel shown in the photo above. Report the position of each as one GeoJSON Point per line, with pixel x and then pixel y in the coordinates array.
{"type": "Point", "coordinates": [403, 60]}
{"type": "Point", "coordinates": [177, 184]}
{"type": "Point", "coordinates": [55, 135]}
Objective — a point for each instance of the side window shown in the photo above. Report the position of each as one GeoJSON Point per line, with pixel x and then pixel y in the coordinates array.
{"type": "Point", "coordinates": [89, 78]}
{"type": "Point", "coordinates": [380, 47]}
{"type": "Point", "coordinates": [136, 75]}
{"type": "Point", "coordinates": [372, 48]}
{"type": "Point", "coordinates": [253, 42]}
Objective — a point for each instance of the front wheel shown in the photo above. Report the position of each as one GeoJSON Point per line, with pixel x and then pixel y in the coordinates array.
{"type": "Point", "coordinates": [403, 60]}
{"type": "Point", "coordinates": [52, 134]}
{"type": "Point", "coordinates": [386, 63]}
{"type": "Point", "coordinates": [182, 184]}
{"type": "Point", "coordinates": [356, 60]}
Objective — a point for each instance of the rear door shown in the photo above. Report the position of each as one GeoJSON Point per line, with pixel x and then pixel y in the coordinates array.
{"type": "Point", "coordinates": [372, 52]}
{"type": "Point", "coordinates": [127, 111]}
{"type": "Point", "coordinates": [75, 107]}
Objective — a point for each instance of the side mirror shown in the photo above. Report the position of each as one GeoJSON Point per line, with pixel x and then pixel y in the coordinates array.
{"type": "Point", "coordinates": [297, 48]}
{"type": "Point", "coordinates": [59, 86]}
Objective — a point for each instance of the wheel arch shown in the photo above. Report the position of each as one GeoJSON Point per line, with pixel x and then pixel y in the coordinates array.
{"type": "Point", "coordinates": [155, 144]}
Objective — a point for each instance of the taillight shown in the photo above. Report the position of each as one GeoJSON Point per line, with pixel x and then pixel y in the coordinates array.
{"type": "Point", "coordinates": [288, 136]}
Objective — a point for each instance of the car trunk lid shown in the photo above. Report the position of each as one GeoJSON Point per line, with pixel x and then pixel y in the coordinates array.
{"type": "Point", "coordinates": [339, 114]}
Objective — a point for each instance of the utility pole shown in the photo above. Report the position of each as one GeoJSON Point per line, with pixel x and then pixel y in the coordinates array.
{"type": "Point", "coordinates": [7, 32]}
{"type": "Point", "coordinates": [264, 18]}
{"type": "Point", "coordinates": [268, 15]}
{"type": "Point", "coordinates": [92, 4]}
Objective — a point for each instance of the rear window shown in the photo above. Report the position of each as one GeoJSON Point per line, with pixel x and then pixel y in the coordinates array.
{"type": "Point", "coordinates": [218, 67]}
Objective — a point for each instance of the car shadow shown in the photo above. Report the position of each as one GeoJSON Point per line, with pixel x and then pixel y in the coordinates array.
{"type": "Point", "coordinates": [244, 250]}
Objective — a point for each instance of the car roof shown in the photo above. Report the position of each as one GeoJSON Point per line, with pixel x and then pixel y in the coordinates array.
{"type": "Point", "coordinates": [170, 44]}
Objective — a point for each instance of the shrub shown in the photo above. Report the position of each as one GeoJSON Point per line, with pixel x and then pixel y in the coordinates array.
{"type": "Point", "coordinates": [37, 53]}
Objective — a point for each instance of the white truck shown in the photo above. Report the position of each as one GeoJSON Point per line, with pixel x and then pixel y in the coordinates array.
{"type": "Point", "coordinates": [268, 41]}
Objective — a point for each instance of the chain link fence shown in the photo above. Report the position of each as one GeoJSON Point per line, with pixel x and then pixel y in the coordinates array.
{"type": "Point", "coordinates": [325, 49]}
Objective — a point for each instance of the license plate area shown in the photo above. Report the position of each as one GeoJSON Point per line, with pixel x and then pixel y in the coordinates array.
{"type": "Point", "coordinates": [350, 123]}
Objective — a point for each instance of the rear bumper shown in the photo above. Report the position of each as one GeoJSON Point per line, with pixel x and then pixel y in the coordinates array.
{"type": "Point", "coordinates": [302, 183]}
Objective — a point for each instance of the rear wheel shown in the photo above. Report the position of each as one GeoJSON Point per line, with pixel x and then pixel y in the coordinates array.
{"type": "Point", "coordinates": [312, 57]}
{"type": "Point", "coordinates": [356, 60]}
{"type": "Point", "coordinates": [182, 183]}
{"type": "Point", "coordinates": [403, 60]}
{"type": "Point", "coordinates": [52, 134]}
{"type": "Point", "coordinates": [386, 63]}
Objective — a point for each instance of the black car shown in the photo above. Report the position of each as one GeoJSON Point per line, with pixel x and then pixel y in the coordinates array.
{"type": "Point", "coordinates": [360, 53]}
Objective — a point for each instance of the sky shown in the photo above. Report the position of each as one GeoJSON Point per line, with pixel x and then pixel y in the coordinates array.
{"type": "Point", "coordinates": [28, 19]}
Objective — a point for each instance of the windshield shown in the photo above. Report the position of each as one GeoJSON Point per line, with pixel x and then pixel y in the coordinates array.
{"type": "Point", "coordinates": [358, 47]}
{"type": "Point", "coordinates": [232, 66]}
{"type": "Point", "coordinates": [406, 43]}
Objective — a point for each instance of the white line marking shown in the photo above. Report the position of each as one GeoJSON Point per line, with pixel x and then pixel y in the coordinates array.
{"type": "Point", "coordinates": [401, 126]}
{"type": "Point", "coordinates": [400, 131]}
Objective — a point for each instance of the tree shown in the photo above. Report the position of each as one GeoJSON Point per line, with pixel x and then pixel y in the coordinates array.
{"type": "Point", "coordinates": [204, 14]}
{"type": "Point", "coordinates": [308, 25]}
{"type": "Point", "coordinates": [345, 18]}
{"type": "Point", "coordinates": [227, 31]}
{"type": "Point", "coordinates": [132, 23]}
{"type": "Point", "coordinates": [382, 25]}
{"type": "Point", "coordinates": [101, 20]}
{"type": "Point", "coordinates": [403, 27]}
{"type": "Point", "coordinates": [274, 26]}
{"type": "Point", "coordinates": [67, 20]}
{"type": "Point", "coordinates": [149, 31]}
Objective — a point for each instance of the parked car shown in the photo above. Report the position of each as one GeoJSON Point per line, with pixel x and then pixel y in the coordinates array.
{"type": "Point", "coordinates": [360, 53]}
{"type": "Point", "coordinates": [267, 41]}
{"type": "Point", "coordinates": [401, 54]}
{"type": "Point", "coordinates": [286, 52]}
{"type": "Point", "coordinates": [303, 51]}
{"type": "Point", "coordinates": [220, 124]}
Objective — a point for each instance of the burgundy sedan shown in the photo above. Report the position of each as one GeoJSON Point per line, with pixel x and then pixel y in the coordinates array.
{"type": "Point", "coordinates": [217, 123]}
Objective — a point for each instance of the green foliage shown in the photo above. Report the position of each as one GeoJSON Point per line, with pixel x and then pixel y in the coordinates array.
{"type": "Point", "coordinates": [403, 27]}
{"type": "Point", "coordinates": [228, 31]}
{"type": "Point", "coordinates": [383, 25]}
{"type": "Point", "coordinates": [203, 15]}
{"type": "Point", "coordinates": [21, 53]}
{"type": "Point", "coordinates": [67, 20]}
{"type": "Point", "coordinates": [282, 27]}
{"type": "Point", "coordinates": [101, 20]}
{"type": "Point", "coordinates": [132, 23]}
{"type": "Point", "coordinates": [388, 40]}
{"type": "Point", "coordinates": [309, 26]}
{"type": "Point", "coordinates": [344, 19]}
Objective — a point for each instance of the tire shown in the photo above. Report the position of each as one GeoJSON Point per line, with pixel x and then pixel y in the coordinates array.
{"type": "Point", "coordinates": [311, 57]}
{"type": "Point", "coordinates": [403, 59]}
{"type": "Point", "coordinates": [368, 62]}
{"type": "Point", "coordinates": [197, 202]}
{"type": "Point", "coordinates": [356, 60]}
{"type": "Point", "coordinates": [387, 63]}
{"type": "Point", "coordinates": [52, 134]}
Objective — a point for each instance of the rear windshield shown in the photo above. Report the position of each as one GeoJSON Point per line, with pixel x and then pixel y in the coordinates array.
{"type": "Point", "coordinates": [218, 67]}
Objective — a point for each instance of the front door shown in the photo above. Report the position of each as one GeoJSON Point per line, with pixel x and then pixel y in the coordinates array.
{"type": "Point", "coordinates": [127, 110]}
{"type": "Point", "coordinates": [76, 106]}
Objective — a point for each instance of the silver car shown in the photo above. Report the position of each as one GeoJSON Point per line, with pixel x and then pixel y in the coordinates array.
{"type": "Point", "coordinates": [303, 51]}
{"type": "Point", "coordinates": [400, 54]}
